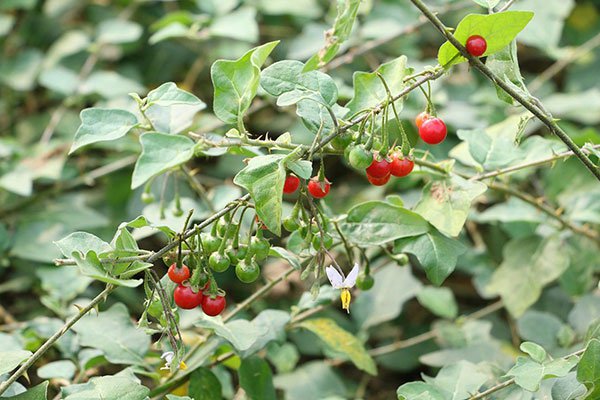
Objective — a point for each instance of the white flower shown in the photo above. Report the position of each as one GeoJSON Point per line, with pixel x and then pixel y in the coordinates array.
{"type": "Point", "coordinates": [168, 357]}
{"type": "Point", "coordinates": [338, 281]}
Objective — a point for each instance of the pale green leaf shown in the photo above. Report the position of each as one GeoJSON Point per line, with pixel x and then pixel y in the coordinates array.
{"type": "Point", "coordinates": [529, 264]}
{"type": "Point", "coordinates": [446, 203]}
{"type": "Point", "coordinates": [12, 359]}
{"type": "Point", "coordinates": [118, 31]}
{"type": "Point", "coordinates": [160, 152]}
{"type": "Point", "coordinates": [369, 91]}
{"type": "Point", "coordinates": [236, 83]}
{"type": "Point", "coordinates": [102, 124]}
{"type": "Point", "coordinates": [169, 94]}
{"type": "Point", "coordinates": [342, 26]}
{"type": "Point", "coordinates": [439, 301]}
{"type": "Point", "coordinates": [341, 341]}
{"type": "Point", "coordinates": [263, 178]}
{"type": "Point", "coordinates": [114, 333]}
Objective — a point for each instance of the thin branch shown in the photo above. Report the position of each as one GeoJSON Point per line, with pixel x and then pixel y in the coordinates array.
{"type": "Point", "coordinates": [536, 163]}
{"type": "Point", "coordinates": [546, 209]}
{"type": "Point", "coordinates": [531, 104]}
{"type": "Point", "coordinates": [562, 63]}
{"type": "Point", "coordinates": [52, 339]}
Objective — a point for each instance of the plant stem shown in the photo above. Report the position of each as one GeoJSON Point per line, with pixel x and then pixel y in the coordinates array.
{"type": "Point", "coordinates": [530, 103]}
{"type": "Point", "coordinates": [536, 163]}
{"type": "Point", "coordinates": [52, 339]}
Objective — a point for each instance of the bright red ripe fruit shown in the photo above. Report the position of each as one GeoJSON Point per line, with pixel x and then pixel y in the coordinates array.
{"type": "Point", "coordinates": [186, 298]}
{"type": "Point", "coordinates": [213, 306]}
{"type": "Point", "coordinates": [422, 117]}
{"type": "Point", "coordinates": [379, 168]}
{"type": "Point", "coordinates": [401, 166]}
{"type": "Point", "coordinates": [433, 131]}
{"type": "Point", "coordinates": [178, 275]}
{"type": "Point", "coordinates": [318, 189]}
{"type": "Point", "coordinates": [378, 181]}
{"type": "Point", "coordinates": [291, 184]}
{"type": "Point", "coordinates": [476, 45]}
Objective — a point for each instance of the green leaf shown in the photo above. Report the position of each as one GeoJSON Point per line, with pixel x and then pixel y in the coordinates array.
{"type": "Point", "coordinates": [535, 351]}
{"type": "Point", "coordinates": [82, 242]}
{"type": "Point", "coordinates": [568, 388]}
{"type": "Point", "coordinates": [19, 72]}
{"type": "Point", "coordinates": [439, 301]}
{"type": "Point", "coordinates": [528, 373]}
{"type": "Point", "coordinates": [107, 388]}
{"type": "Point", "coordinates": [287, 255]}
{"type": "Point", "coordinates": [419, 391]}
{"type": "Point", "coordinates": [236, 82]}
{"type": "Point", "coordinates": [160, 152]}
{"type": "Point", "coordinates": [271, 326]}
{"type": "Point", "coordinates": [487, 3]}
{"type": "Point", "coordinates": [102, 124]}
{"type": "Point", "coordinates": [546, 28]}
{"type": "Point", "coordinates": [313, 380]}
{"type": "Point", "coordinates": [492, 150]}
{"type": "Point", "coordinates": [12, 359]}
{"type": "Point", "coordinates": [393, 287]}
{"type": "Point", "coordinates": [369, 91]}
{"type": "Point", "coordinates": [118, 31]}
{"type": "Point", "coordinates": [460, 380]}
{"type": "Point", "coordinates": [529, 264]}
{"type": "Point", "coordinates": [37, 392]}
{"type": "Point", "coordinates": [256, 379]}
{"type": "Point", "coordinates": [64, 369]}
{"type": "Point", "coordinates": [342, 26]}
{"type": "Point", "coordinates": [497, 29]}
{"type": "Point", "coordinates": [169, 94]}
{"type": "Point", "coordinates": [240, 24]}
{"type": "Point", "coordinates": [240, 333]}
{"type": "Point", "coordinates": [263, 178]}
{"type": "Point", "coordinates": [446, 203]}
{"type": "Point", "coordinates": [588, 370]}
{"type": "Point", "coordinates": [505, 65]}
{"type": "Point", "coordinates": [341, 341]}
{"type": "Point", "coordinates": [313, 91]}
{"type": "Point", "coordinates": [204, 385]}
{"type": "Point", "coordinates": [376, 222]}
{"type": "Point", "coordinates": [436, 253]}
{"type": "Point", "coordinates": [114, 333]}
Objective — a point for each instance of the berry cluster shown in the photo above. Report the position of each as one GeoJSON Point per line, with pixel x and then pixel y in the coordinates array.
{"type": "Point", "coordinates": [185, 297]}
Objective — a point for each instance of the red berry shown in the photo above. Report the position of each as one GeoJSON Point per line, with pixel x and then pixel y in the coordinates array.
{"type": "Point", "coordinates": [213, 306]}
{"type": "Point", "coordinates": [379, 168]}
{"type": "Point", "coordinates": [318, 189]}
{"type": "Point", "coordinates": [178, 275]}
{"type": "Point", "coordinates": [401, 166]}
{"type": "Point", "coordinates": [378, 181]}
{"type": "Point", "coordinates": [476, 45]}
{"type": "Point", "coordinates": [433, 131]}
{"type": "Point", "coordinates": [291, 184]}
{"type": "Point", "coordinates": [422, 117]}
{"type": "Point", "coordinates": [186, 298]}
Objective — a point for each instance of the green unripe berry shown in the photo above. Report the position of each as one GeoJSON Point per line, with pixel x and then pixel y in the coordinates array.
{"type": "Point", "coordinates": [364, 282]}
{"type": "Point", "coordinates": [247, 272]}
{"type": "Point", "coordinates": [147, 198]}
{"type": "Point", "coordinates": [219, 262]}
{"type": "Point", "coordinates": [360, 158]}
{"type": "Point", "coordinates": [259, 248]}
